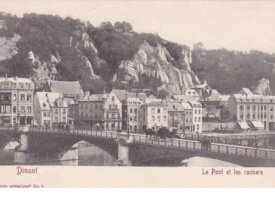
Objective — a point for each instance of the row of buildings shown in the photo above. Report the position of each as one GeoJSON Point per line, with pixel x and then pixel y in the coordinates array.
{"type": "Point", "coordinates": [63, 103]}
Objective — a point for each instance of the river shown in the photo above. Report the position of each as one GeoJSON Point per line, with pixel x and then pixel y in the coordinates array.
{"type": "Point", "coordinates": [86, 154]}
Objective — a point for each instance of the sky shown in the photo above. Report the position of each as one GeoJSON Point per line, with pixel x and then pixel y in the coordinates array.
{"type": "Point", "coordinates": [235, 25]}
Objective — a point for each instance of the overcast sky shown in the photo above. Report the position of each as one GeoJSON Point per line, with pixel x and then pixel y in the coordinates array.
{"type": "Point", "coordinates": [241, 25]}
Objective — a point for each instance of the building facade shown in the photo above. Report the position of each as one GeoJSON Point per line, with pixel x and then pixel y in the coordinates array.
{"type": "Point", "coordinates": [16, 101]}
{"type": "Point", "coordinates": [250, 110]}
{"type": "Point", "coordinates": [153, 115]}
{"type": "Point", "coordinates": [50, 109]}
{"type": "Point", "coordinates": [131, 114]}
{"type": "Point", "coordinates": [196, 119]}
{"type": "Point", "coordinates": [176, 116]}
{"type": "Point", "coordinates": [100, 111]}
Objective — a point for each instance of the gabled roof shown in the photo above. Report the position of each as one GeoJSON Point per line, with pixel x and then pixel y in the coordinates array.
{"type": "Point", "coordinates": [47, 100]}
{"type": "Point", "coordinates": [70, 88]}
{"type": "Point", "coordinates": [246, 91]}
{"type": "Point", "coordinates": [94, 97]}
{"type": "Point", "coordinates": [186, 105]}
{"type": "Point", "coordinates": [175, 106]}
{"type": "Point", "coordinates": [123, 94]}
{"type": "Point", "coordinates": [195, 104]}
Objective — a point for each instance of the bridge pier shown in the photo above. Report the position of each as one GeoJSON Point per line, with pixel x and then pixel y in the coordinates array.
{"type": "Point", "coordinates": [21, 153]}
{"type": "Point", "coordinates": [123, 150]}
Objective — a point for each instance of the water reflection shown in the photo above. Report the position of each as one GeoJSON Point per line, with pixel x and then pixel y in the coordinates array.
{"type": "Point", "coordinates": [80, 154]}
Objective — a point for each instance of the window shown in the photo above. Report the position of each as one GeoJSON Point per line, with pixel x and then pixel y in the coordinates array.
{"type": "Point", "coordinates": [113, 98]}
{"type": "Point", "coordinates": [158, 118]}
{"type": "Point", "coordinates": [195, 111]}
{"type": "Point", "coordinates": [5, 109]}
{"type": "Point", "coordinates": [195, 119]}
{"type": "Point", "coordinates": [29, 109]}
{"type": "Point", "coordinates": [113, 116]}
{"type": "Point", "coordinates": [56, 119]}
{"type": "Point", "coordinates": [22, 109]}
{"type": "Point", "coordinates": [153, 110]}
{"type": "Point", "coordinates": [56, 111]}
{"type": "Point", "coordinates": [135, 118]}
{"type": "Point", "coordinates": [199, 111]}
{"type": "Point", "coordinates": [131, 119]}
{"type": "Point", "coordinates": [29, 98]}
{"type": "Point", "coordinates": [241, 107]}
{"type": "Point", "coordinates": [14, 109]}
{"type": "Point", "coordinates": [135, 111]}
{"type": "Point", "coordinates": [64, 119]}
{"type": "Point", "coordinates": [153, 118]}
{"type": "Point", "coordinates": [198, 127]}
{"type": "Point", "coordinates": [64, 111]}
{"type": "Point", "coordinates": [199, 119]}
{"type": "Point", "coordinates": [131, 110]}
{"type": "Point", "coordinates": [44, 114]}
{"type": "Point", "coordinates": [158, 110]}
{"type": "Point", "coordinates": [22, 97]}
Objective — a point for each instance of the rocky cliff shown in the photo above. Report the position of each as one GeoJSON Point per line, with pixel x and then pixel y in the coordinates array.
{"type": "Point", "coordinates": [155, 63]}
{"type": "Point", "coordinates": [49, 47]}
{"type": "Point", "coordinates": [263, 87]}
{"type": "Point", "coordinates": [115, 56]}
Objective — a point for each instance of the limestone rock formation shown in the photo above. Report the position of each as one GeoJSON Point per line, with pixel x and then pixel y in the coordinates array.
{"type": "Point", "coordinates": [263, 87]}
{"type": "Point", "coordinates": [153, 62]}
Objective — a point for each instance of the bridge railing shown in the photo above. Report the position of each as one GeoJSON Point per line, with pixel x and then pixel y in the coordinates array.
{"type": "Point", "coordinates": [193, 145]}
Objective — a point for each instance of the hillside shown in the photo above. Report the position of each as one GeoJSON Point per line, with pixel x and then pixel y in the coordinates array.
{"type": "Point", "coordinates": [49, 47]}
{"type": "Point", "coordinates": [115, 56]}
{"type": "Point", "coordinates": [229, 71]}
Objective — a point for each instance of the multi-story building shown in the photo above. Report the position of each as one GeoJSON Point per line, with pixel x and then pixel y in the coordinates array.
{"type": "Point", "coordinates": [104, 110]}
{"type": "Point", "coordinates": [50, 109]}
{"type": "Point", "coordinates": [16, 101]}
{"type": "Point", "coordinates": [196, 119]}
{"type": "Point", "coordinates": [215, 106]}
{"type": "Point", "coordinates": [176, 115]}
{"type": "Point", "coordinates": [188, 118]}
{"type": "Point", "coordinates": [131, 102]}
{"type": "Point", "coordinates": [252, 111]}
{"type": "Point", "coordinates": [153, 115]}
{"type": "Point", "coordinates": [131, 114]}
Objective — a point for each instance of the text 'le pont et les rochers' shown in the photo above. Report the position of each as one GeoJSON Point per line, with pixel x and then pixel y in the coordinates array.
{"type": "Point", "coordinates": [216, 172]}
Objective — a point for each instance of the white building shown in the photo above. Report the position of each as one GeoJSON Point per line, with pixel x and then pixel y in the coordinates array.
{"type": "Point", "coordinates": [16, 101]}
{"type": "Point", "coordinates": [153, 115]}
{"type": "Point", "coordinates": [252, 111]}
{"type": "Point", "coordinates": [50, 109]}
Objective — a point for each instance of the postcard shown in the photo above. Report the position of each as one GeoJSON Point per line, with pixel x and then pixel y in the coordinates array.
{"type": "Point", "coordinates": [137, 94]}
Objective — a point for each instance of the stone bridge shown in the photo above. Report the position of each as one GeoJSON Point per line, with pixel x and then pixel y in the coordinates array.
{"type": "Point", "coordinates": [132, 149]}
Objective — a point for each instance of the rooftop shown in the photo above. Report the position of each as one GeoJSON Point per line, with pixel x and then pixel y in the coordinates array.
{"type": "Point", "coordinates": [47, 99]}
{"type": "Point", "coordinates": [65, 87]}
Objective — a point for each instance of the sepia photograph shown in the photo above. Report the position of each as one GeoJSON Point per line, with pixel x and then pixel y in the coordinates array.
{"type": "Point", "coordinates": [137, 84]}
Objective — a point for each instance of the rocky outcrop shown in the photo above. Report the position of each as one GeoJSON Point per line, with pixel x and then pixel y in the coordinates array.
{"type": "Point", "coordinates": [154, 63]}
{"type": "Point", "coordinates": [8, 47]}
{"type": "Point", "coordinates": [263, 87]}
